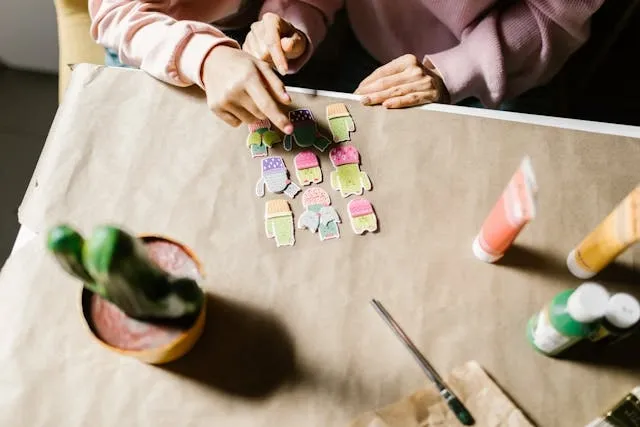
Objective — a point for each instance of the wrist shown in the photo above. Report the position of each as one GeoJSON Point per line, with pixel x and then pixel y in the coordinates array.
{"type": "Point", "coordinates": [443, 93]}
{"type": "Point", "coordinates": [214, 55]}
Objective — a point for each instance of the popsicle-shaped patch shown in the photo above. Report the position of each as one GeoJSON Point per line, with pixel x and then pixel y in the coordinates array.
{"type": "Point", "coordinates": [276, 178]}
{"type": "Point", "coordinates": [362, 216]}
{"type": "Point", "coordinates": [348, 178]}
{"type": "Point", "coordinates": [319, 215]}
{"type": "Point", "coordinates": [307, 168]}
{"type": "Point", "coordinates": [261, 137]}
{"type": "Point", "coordinates": [305, 131]}
{"type": "Point", "coordinates": [340, 122]}
{"type": "Point", "coordinates": [278, 222]}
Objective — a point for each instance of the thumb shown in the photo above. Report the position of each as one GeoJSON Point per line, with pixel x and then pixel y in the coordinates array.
{"type": "Point", "coordinates": [294, 46]}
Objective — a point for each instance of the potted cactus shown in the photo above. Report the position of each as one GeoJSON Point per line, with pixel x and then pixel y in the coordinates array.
{"type": "Point", "coordinates": [140, 296]}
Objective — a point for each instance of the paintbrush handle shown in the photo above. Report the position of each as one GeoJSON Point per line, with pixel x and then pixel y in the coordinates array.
{"type": "Point", "coordinates": [462, 414]}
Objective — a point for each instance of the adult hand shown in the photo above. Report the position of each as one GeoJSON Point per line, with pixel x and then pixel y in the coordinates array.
{"type": "Point", "coordinates": [241, 88]}
{"type": "Point", "coordinates": [403, 82]}
{"type": "Point", "coordinates": [274, 40]}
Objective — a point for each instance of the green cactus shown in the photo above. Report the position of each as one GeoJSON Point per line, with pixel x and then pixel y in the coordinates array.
{"type": "Point", "coordinates": [115, 265]}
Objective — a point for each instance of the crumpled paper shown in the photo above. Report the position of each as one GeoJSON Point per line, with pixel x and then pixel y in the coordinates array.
{"type": "Point", "coordinates": [489, 406]}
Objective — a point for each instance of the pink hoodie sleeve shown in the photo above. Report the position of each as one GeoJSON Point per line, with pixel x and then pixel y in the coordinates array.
{"type": "Point", "coordinates": [514, 49]}
{"type": "Point", "coordinates": [312, 17]}
{"type": "Point", "coordinates": [145, 36]}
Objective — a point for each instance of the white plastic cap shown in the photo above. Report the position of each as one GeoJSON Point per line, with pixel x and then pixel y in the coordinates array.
{"type": "Point", "coordinates": [588, 302]}
{"type": "Point", "coordinates": [576, 269]}
{"type": "Point", "coordinates": [623, 311]}
{"type": "Point", "coordinates": [481, 254]}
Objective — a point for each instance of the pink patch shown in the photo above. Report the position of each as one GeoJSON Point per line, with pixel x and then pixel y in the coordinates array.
{"type": "Point", "coordinates": [306, 160]}
{"type": "Point", "coordinates": [360, 207]}
{"type": "Point", "coordinates": [315, 196]}
{"type": "Point", "coordinates": [344, 155]}
{"type": "Point", "coordinates": [260, 124]}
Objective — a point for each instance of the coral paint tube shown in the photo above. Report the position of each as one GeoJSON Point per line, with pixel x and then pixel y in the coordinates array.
{"type": "Point", "coordinates": [515, 208]}
{"type": "Point", "coordinates": [613, 236]}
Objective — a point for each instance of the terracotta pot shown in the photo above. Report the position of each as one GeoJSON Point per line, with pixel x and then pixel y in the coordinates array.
{"type": "Point", "coordinates": [148, 342]}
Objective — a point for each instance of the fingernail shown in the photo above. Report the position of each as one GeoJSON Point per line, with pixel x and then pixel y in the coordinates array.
{"type": "Point", "coordinates": [288, 129]}
{"type": "Point", "coordinates": [365, 100]}
{"type": "Point", "coordinates": [286, 97]}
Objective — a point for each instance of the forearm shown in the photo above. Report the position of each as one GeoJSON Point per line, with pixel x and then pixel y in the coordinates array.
{"type": "Point", "coordinates": [144, 35]}
{"type": "Point", "coordinates": [513, 50]}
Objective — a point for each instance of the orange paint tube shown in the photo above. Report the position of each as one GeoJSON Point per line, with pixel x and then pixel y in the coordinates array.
{"type": "Point", "coordinates": [619, 230]}
{"type": "Point", "coordinates": [515, 208]}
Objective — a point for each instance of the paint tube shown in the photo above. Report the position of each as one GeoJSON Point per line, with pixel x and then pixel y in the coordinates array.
{"type": "Point", "coordinates": [620, 320]}
{"type": "Point", "coordinates": [569, 318]}
{"type": "Point", "coordinates": [625, 413]}
{"type": "Point", "coordinates": [619, 230]}
{"type": "Point", "coordinates": [515, 208]}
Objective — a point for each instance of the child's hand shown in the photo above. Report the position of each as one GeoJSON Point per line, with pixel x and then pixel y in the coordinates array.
{"type": "Point", "coordinates": [403, 82]}
{"type": "Point", "coordinates": [275, 40]}
{"type": "Point", "coordinates": [241, 88]}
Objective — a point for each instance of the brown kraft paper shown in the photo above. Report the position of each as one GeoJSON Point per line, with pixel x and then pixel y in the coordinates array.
{"type": "Point", "coordinates": [290, 338]}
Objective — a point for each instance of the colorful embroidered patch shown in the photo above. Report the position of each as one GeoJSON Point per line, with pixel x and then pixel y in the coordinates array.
{"type": "Point", "coordinates": [307, 168]}
{"type": "Point", "coordinates": [278, 222]}
{"type": "Point", "coordinates": [305, 131]}
{"type": "Point", "coordinates": [319, 215]}
{"type": "Point", "coordinates": [348, 178]}
{"type": "Point", "coordinates": [260, 137]}
{"type": "Point", "coordinates": [362, 216]}
{"type": "Point", "coordinates": [276, 178]}
{"type": "Point", "coordinates": [340, 122]}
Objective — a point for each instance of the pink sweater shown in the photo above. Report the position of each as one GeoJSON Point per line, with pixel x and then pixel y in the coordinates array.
{"type": "Point", "coordinates": [490, 49]}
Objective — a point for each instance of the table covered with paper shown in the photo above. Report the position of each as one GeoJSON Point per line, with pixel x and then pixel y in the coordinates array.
{"type": "Point", "coordinates": [291, 339]}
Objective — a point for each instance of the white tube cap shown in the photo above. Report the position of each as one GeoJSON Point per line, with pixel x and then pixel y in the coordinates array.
{"type": "Point", "coordinates": [481, 254]}
{"type": "Point", "coordinates": [576, 269]}
{"type": "Point", "coordinates": [588, 302]}
{"type": "Point", "coordinates": [623, 311]}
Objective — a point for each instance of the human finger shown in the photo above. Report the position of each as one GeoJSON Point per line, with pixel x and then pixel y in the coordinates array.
{"type": "Point", "coordinates": [375, 98]}
{"type": "Point", "coordinates": [275, 85]}
{"type": "Point", "coordinates": [294, 46]}
{"type": "Point", "coordinates": [242, 110]}
{"type": "Point", "coordinates": [227, 117]}
{"type": "Point", "coordinates": [409, 75]}
{"type": "Point", "coordinates": [264, 101]}
{"type": "Point", "coordinates": [411, 99]}
{"type": "Point", "coordinates": [394, 67]}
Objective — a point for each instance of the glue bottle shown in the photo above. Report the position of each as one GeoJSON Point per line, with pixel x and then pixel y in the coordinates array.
{"type": "Point", "coordinates": [570, 317]}
{"type": "Point", "coordinates": [620, 320]}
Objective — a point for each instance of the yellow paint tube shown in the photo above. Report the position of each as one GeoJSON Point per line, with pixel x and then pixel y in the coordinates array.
{"type": "Point", "coordinates": [619, 230]}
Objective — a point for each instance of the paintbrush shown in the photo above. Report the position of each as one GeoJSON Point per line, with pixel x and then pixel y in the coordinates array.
{"type": "Point", "coordinates": [456, 406]}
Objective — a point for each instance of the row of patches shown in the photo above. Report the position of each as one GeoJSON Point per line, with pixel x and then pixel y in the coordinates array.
{"type": "Point", "coordinates": [319, 216]}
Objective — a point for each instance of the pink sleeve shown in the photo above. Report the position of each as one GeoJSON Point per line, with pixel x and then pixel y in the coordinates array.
{"type": "Point", "coordinates": [514, 49]}
{"type": "Point", "coordinates": [312, 17]}
{"type": "Point", "coordinates": [145, 36]}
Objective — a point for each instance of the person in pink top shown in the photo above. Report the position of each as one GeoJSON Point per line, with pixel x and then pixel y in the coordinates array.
{"type": "Point", "coordinates": [434, 50]}
{"type": "Point", "coordinates": [174, 41]}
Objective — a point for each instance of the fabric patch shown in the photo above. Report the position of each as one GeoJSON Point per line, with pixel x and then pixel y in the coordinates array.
{"type": "Point", "coordinates": [278, 222]}
{"type": "Point", "coordinates": [340, 122]}
{"type": "Point", "coordinates": [305, 131]}
{"type": "Point", "coordinates": [276, 178]}
{"type": "Point", "coordinates": [362, 216]}
{"type": "Point", "coordinates": [307, 168]}
{"type": "Point", "coordinates": [319, 215]}
{"type": "Point", "coordinates": [260, 137]}
{"type": "Point", "coordinates": [348, 178]}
